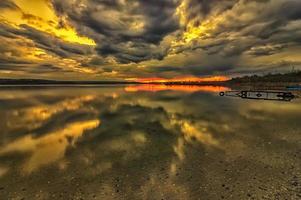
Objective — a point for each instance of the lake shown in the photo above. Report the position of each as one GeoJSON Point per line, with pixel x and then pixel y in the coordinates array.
{"type": "Point", "coordinates": [146, 142]}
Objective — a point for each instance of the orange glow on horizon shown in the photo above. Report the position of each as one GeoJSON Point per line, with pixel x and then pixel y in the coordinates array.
{"type": "Point", "coordinates": [181, 88]}
{"type": "Point", "coordinates": [180, 79]}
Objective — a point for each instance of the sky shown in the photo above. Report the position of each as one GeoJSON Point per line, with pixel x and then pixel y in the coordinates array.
{"type": "Point", "coordinates": [134, 39]}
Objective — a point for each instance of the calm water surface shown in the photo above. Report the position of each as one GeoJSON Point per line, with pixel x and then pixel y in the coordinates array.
{"type": "Point", "coordinates": [146, 143]}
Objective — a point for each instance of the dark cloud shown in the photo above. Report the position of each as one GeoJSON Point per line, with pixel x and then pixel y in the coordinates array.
{"type": "Point", "coordinates": [48, 42]}
{"type": "Point", "coordinates": [133, 52]}
{"type": "Point", "coordinates": [200, 9]}
{"type": "Point", "coordinates": [48, 68]}
{"type": "Point", "coordinates": [9, 61]}
{"type": "Point", "coordinates": [20, 65]}
{"type": "Point", "coordinates": [268, 23]}
{"type": "Point", "coordinates": [8, 4]}
{"type": "Point", "coordinates": [7, 31]}
{"type": "Point", "coordinates": [18, 43]}
{"type": "Point", "coordinates": [130, 31]}
{"type": "Point", "coordinates": [280, 13]}
{"type": "Point", "coordinates": [203, 36]}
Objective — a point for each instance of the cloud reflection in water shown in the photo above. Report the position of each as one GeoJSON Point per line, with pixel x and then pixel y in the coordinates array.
{"type": "Point", "coordinates": [49, 148]}
{"type": "Point", "coordinates": [168, 144]}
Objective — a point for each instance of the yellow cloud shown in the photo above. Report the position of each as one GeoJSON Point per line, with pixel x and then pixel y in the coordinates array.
{"type": "Point", "coordinates": [40, 15]}
{"type": "Point", "coordinates": [194, 28]}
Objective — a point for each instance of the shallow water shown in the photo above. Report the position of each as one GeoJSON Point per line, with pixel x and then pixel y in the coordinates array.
{"type": "Point", "coordinates": [146, 143]}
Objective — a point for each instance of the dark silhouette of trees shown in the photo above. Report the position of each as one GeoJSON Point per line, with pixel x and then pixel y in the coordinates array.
{"type": "Point", "coordinates": [292, 77]}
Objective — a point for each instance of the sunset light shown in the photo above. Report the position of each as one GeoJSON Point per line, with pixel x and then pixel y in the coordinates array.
{"type": "Point", "coordinates": [180, 79]}
{"type": "Point", "coordinates": [150, 99]}
{"type": "Point", "coordinates": [180, 88]}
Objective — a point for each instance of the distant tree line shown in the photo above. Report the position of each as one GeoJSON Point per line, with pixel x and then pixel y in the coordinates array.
{"type": "Point", "coordinates": [272, 78]}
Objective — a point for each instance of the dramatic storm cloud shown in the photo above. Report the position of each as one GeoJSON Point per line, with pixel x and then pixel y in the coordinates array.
{"type": "Point", "coordinates": [120, 39]}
